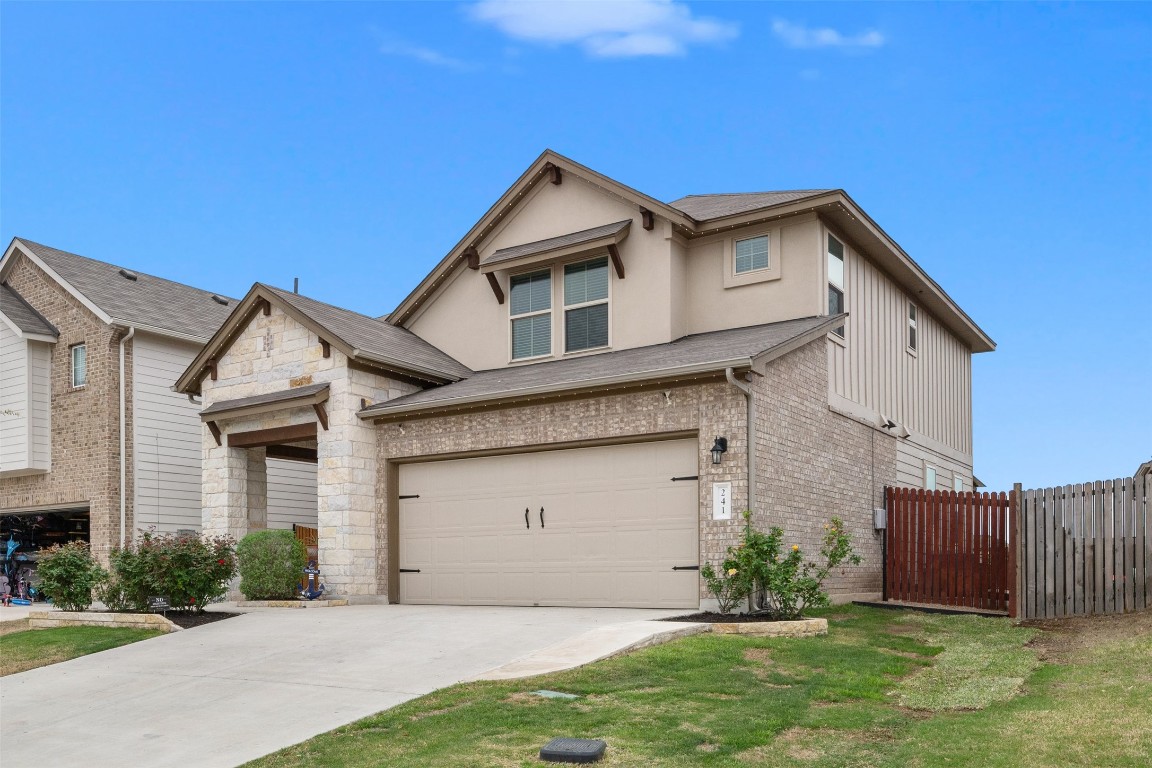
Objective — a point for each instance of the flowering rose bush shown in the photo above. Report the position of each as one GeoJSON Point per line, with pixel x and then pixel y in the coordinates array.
{"type": "Point", "coordinates": [191, 571]}
{"type": "Point", "coordinates": [777, 581]}
{"type": "Point", "coordinates": [68, 574]}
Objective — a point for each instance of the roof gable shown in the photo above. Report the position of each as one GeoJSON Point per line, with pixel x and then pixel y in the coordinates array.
{"type": "Point", "coordinates": [119, 296]}
{"type": "Point", "coordinates": [363, 339]}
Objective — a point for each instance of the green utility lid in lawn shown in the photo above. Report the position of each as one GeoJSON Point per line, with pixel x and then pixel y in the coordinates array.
{"type": "Point", "coordinates": [573, 751]}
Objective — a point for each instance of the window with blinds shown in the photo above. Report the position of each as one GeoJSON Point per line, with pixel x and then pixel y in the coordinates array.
{"type": "Point", "coordinates": [836, 280]}
{"type": "Point", "coordinates": [586, 305]}
{"type": "Point", "coordinates": [79, 365]}
{"type": "Point", "coordinates": [530, 307]}
{"type": "Point", "coordinates": [752, 254]}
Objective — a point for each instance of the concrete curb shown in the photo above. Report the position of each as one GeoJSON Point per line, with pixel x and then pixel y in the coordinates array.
{"type": "Point", "coordinates": [54, 619]}
{"type": "Point", "coordinates": [291, 603]}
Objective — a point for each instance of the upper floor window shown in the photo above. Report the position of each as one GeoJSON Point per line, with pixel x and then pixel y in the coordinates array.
{"type": "Point", "coordinates": [930, 477]}
{"type": "Point", "coordinates": [752, 254]}
{"type": "Point", "coordinates": [79, 365]}
{"type": "Point", "coordinates": [530, 307]}
{"type": "Point", "coordinates": [912, 327]}
{"type": "Point", "coordinates": [835, 280]}
{"type": "Point", "coordinates": [586, 305]}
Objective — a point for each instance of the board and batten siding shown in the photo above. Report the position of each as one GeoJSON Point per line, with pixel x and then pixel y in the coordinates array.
{"type": "Point", "coordinates": [929, 392]}
{"type": "Point", "coordinates": [167, 442]}
{"type": "Point", "coordinates": [25, 400]}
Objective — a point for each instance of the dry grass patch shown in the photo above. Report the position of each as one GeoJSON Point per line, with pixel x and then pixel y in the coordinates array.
{"type": "Point", "coordinates": [11, 627]}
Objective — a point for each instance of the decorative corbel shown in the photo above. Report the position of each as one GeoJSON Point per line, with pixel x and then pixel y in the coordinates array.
{"type": "Point", "coordinates": [321, 415]}
{"type": "Point", "coordinates": [473, 257]}
{"type": "Point", "coordinates": [617, 262]}
{"type": "Point", "coordinates": [326, 348]}
{"type": "Point", "coordinates": [648, 218]}
{"type": "Point", "coordinates": [554, 173]}
{"type": "Point", "coordinates": [215, 430]}
{"type": "Point", "coordinates": [496, 289]}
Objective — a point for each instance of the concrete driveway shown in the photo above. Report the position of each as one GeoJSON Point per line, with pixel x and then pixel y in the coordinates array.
{"type": "Point", "coordinates": [226, 693]}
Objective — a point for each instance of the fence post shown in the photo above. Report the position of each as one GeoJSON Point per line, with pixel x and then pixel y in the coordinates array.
{"type": "Point", "coordinates": [1014, 558]}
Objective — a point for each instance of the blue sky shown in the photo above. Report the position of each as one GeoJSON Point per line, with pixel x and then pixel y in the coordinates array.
{"type": "Point", "coordinates": [1007, 147]}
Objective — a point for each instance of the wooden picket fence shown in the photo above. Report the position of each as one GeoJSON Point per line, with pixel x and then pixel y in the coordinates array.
{"type": "Point", "coordinates": [948, 548]}
{"type": "Point", "coordinates": [1085, 549]}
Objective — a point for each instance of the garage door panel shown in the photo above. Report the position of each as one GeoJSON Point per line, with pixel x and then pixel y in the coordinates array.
{"type": "Point", "coordinates": [614, 525]}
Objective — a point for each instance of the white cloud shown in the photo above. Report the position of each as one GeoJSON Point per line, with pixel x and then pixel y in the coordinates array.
{"type": "Point", "coordinates": [421, 53]}
{"type": "Point", "coordinates": [800, 36]}
{"type": "Point", "coordinates": [607, 29]}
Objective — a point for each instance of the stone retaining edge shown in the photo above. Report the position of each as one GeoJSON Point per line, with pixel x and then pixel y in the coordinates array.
{"type": "Point", "coordinates": [798, 628]}
{"type": "Point", "coordinates": [54, 619]}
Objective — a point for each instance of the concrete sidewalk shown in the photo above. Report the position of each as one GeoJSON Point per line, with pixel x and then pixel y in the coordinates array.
{"type": "Point", "coordinates": [226, 693]}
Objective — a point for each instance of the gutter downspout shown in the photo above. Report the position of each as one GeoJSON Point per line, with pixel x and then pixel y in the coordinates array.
{"type": "Point", "coordinates": [747, 390]}
{"type": "Point", "coordinates": [123, 441]}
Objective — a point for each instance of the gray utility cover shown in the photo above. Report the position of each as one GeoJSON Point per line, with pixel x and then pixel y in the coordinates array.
{"type": "Point", "coordinates": [573, 750]}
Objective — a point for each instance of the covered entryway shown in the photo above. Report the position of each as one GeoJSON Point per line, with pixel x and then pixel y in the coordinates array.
{"type": "Point", "coordinates": [607, 526]}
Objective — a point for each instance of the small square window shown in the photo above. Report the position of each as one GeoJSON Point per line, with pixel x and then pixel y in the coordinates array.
{"type": "Point", "coordinates": [79, 365]}
{"type": "Point", "coordinates": [752, 254]}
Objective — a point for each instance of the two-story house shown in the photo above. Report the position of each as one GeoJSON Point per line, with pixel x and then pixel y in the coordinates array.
{"type": "Point", "coordinates": [578, 401]}
{"type": "Point", "coordinates": [94, 442]}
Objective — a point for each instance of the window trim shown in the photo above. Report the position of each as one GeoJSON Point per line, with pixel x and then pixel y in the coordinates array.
{"type": "Point", "coordinates": [558, 338]}
{"type": "Point", "coordinates": [842, 331]}
{"type": "Point", "coordinates": [72, 365]}
{"type": "Point", "coordinates": [549, 311]}
{"type": "Point", "coordinates": [912, 334]}
{"type": "Point", "coordinates": [734, 279]}
{"type": "Point", "coordinates": [564, 308]}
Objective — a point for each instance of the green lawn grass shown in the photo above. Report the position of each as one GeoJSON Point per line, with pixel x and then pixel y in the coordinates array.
{"type": "Point", "coordinates": [21, 651]}
{"type": "Point", "coordinates": [885, 688]}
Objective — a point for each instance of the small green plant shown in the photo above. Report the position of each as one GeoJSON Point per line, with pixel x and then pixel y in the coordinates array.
{"type": "Point", "coordinates": [271, 564]}
{"type": "Point", "coordinates": [191, 571]}
{"type": "Point", "coordinates": [774, 579]}
{"type": "Point", "coordinates": [70, 574]}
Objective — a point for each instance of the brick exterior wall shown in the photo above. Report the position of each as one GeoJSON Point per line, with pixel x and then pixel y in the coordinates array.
{"type": "Point", "coordinates": [85, 422]}
{"type": "Point", "coordinates": [711, 409]}
{"type": "Point", "coordinates": [815, 464]}
{"type": "Point", "coordinates": [812, 464]}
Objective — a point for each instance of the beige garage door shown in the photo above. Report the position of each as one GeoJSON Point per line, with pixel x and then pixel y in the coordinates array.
{"type": "Point", "coordinates": [599, 526]}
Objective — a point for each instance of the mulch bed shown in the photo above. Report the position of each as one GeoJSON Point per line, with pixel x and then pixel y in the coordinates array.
{"type": "Point", "coordinates": [190, 620]}
{"type": "Point", "coordinates": [710, 617]}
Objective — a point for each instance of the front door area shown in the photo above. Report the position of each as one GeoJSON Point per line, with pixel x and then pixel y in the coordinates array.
{"type": "Point", "coordinates": [608, 526]}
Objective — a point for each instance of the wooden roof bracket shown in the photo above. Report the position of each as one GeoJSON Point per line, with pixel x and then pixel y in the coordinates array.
{"type": "Point", "coordinates": [554, 173]}
{"type": "Point", "coordinates": [215, 430]}
{"type": "Point", "coordinates": [325, 348]}
{"type": "Point", "coordinates": [473, 257]}
{"type": "Point", "coordinates": [496, 289]}
{"type": "Point", "coordinates": [212, 368]}
{"type": "Point", "coordinates": [648, 218]}
{"type": "Point", "coordinates": [321, 415]}
{"type": "Point", "coordinates": [266, 307]}
{"type": "Point", "coordinates": [617, 262]}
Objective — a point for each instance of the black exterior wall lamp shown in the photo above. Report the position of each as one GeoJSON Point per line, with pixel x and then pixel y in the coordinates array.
{"type": "Point", "coordinates": [719, 448]}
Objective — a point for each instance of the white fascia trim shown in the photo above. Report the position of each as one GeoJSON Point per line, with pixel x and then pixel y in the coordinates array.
{"type": "Point", "coordinates": [56, 277]}
{"type": "Point", "coordinates": [567, 386]}
{"type": "Point", "coordinates": [153, 330]}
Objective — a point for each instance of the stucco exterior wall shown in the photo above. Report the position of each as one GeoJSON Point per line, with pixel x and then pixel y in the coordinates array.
{"type": "Point", "coordinates": [85, 421]}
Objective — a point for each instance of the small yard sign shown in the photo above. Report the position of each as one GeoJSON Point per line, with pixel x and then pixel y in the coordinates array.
{"type": "Point", "coordinates": [721, 501]}
{"type": "Point", "coordinates": [158, 604]}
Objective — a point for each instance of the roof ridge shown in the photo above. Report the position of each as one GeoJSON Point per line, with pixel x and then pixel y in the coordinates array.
{"type": "Point", "coordinates": [149, 275]}
{"type": "Point", "coordinates": [764, 192]}
{"type": "Point", "coordinates": [286, 292]}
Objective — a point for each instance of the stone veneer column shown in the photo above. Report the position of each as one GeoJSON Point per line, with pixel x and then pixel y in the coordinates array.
{"type": "Point", "coordinates": [346, 498]}
{"type": "Point", "coordinates": [225, 490]}
{"type": "Point", "coordinates": [257, 491]}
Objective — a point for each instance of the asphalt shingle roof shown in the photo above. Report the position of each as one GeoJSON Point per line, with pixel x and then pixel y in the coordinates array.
{"type": "Point", "coordinates": [705, 207]}
{"type": "Point", "coordinates": [264, 399]}
{"type": "Point", "coordinates": [553, 243]}
{"type": "Point", "coordinates": [16, 309]}
{"type": "Point", "coordinates": [147, 300]}
{"type": "Point", "coordinates": [695, 350]}
{"type": "Point", "coordinates": [375, 337]}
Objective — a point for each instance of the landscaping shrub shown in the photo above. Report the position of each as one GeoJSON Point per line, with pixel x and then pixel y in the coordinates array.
{"type": "Point", "coordinates": [69, 573]}
{"type": "Point", "coordinates": [271, 564]}
{"type": "Point", "coordinates": [191, 571]}
{"type": "Point", "coordinates": [776, 581]}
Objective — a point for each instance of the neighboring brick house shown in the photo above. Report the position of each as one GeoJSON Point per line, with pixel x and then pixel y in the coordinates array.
{"type": "Point", "coordinates": [536, 423]}
{"type": "Point", "coordinates": [89, 352]}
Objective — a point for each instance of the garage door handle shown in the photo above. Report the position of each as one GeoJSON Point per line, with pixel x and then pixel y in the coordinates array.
{"type": "Point", "coordinates": [409, 570]}
{"type": "Point", "coordinates": [541, 517]}
{"type": "Point", "coordinates": [526, 523]}
{"type": "Point", "coordinates": [686, 477]}
{"type": "Point", "coordinates": [685, 567]}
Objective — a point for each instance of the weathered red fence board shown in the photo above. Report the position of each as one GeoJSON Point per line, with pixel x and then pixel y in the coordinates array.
{"type": "Point", "coordinates": [948, 548]}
